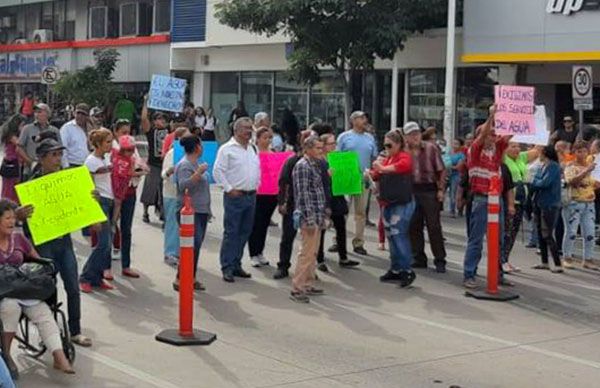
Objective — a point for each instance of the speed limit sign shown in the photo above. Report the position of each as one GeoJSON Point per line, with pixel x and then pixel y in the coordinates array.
{"type": "Point", "coordinates": [583, 86]}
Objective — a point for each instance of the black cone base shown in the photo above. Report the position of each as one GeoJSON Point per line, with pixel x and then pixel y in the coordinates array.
{"type": "Point", "coordinates": [501, 296]}
{"type": "Point", "coordinates": [199, 337]}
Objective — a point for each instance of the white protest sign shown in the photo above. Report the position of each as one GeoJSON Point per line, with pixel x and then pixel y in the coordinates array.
{"type": "Point", "coordinates": [167, 93]}
{"type": "Point", "coordinates": [542, 135]}
{"type": "Point", "coordinates": [596, 171]}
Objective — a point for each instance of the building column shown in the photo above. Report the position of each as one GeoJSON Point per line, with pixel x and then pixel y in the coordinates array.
{"type": "Point", "coordinates": [394, 110]}
{"type": "Point", "coordinates": [200, 93]}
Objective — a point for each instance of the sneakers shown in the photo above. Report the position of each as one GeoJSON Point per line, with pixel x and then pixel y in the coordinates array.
{"type": "Point", "coordinates": [360, 250]}
{"type": "Point", "coordinates": [240, 273]}
{"type": "Point", "coordinates": [390, 277]}
{"type": "Point", "coordinates": [171, 261]}
{"type": "Point", "coordinates": [299, 297]}
{"type": "Point", "coordinates": [509, 268]}
{"type": "Point", "coordinates": [259, 261]}
{"type": "Point", "coordinates": [470, 284]}
{"type": "Point", "coordinates": [323, 267]}
{"type": "Point", "coordinates": [281, 274]}
{"type": "Point", "coordinates": [407, 278]}
{"type": "Point", "coordinates": [557, 270]}
{"type": "Point", "coordinates": [349, 263]}
{"type": "Point", "coordinates": [85, 287]}
{"type": "Point", "coordinates": [541, 266]}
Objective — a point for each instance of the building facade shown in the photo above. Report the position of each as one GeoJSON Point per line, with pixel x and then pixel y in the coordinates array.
{"type": "Point", "coordinates": [64, 33]}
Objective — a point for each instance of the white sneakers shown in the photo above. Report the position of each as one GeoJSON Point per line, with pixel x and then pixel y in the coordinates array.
{"type": "Point", "coordinates": [259, 261]}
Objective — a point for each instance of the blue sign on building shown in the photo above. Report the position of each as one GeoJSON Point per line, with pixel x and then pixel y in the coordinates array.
{"type": "Point", "coordinates": [16, 65]}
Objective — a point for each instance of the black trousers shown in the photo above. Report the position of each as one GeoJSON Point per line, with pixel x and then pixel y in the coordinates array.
{"type": "Point", "coordinates": [265, 206]}
{"type": "Point", "coordinates": [546, 221]}
{"type": "Point", "coordinates": [339, 223]}
{"type": "Point", "coordinates": [286, 245]}
{"type": "Point", "coordinates": [427, 214]}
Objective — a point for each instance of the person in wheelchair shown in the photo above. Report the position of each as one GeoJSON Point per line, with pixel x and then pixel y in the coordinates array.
{"type": "Point", "coordinates": [14, 249]}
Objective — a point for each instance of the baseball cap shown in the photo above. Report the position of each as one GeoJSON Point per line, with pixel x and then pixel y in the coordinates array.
{"type": "Point", "coordinates": [96, 111]}
{"type": "Point", "coordinates": [82, 108]}
{"type": "Point", "coordinates": [411, 127]}
{"type": "Point", "coordinates": [48, 145]}
{"type": "Point", "coordinates": [126, 142]}
{"type": "Point", "coordinates": [357, 114]}
{"type": "Point", "coordinates": [42, 106]}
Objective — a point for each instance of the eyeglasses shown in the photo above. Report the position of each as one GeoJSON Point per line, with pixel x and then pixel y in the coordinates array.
{"type": "Point", "coordinates": [387, 146]}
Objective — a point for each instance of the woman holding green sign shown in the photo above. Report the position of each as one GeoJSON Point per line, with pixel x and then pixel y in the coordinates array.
{"type": "Point", "coordinates": [394, 175]}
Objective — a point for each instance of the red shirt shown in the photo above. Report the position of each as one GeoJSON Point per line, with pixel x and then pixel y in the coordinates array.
{"type": "Point", "coordinates": [168, 142]}
{"type": "Point", "coordinates": [27, 106]}
{"type": "Point", "coordinates": [483, 164]}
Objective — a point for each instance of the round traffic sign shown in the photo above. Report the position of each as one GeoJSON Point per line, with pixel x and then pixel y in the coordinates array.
{"type": "Point", "coordinates": [50, 75]}
{"type": "Point", "coordinates": [582, 82]}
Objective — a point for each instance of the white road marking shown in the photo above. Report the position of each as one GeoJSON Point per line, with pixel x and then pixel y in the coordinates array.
{"type": "Point", "coordinates": [125, 368]}
{"type": "Point", "coordinates": [485, 337]}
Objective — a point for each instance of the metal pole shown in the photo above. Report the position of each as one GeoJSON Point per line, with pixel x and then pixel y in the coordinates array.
{"type": "Point", "coordinates": [450, 64]}
{"type": "Point", "coordinates": [581, 126]}
{"type": "Point", "coordinates": [394, 118]}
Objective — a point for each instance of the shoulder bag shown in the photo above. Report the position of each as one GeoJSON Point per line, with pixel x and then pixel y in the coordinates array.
{"type": "Point", "coordinates": [396, 189]}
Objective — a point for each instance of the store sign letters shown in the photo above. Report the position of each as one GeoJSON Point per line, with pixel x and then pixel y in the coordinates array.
{"type": "Point", "coordinates": [514, 110]}
{"type": "Point", "coordinates": [567, 7]}
{"type": "Point", "coordinates": [25, 65]}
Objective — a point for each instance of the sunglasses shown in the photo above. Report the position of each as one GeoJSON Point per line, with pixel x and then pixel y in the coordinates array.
{"type": "Point", "coordinates": [387, 146]}
{"type": "Point", "coordinates": [567, 121]}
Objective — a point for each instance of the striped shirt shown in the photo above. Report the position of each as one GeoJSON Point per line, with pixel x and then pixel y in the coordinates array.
{"type": "Point", "coordinates": [484, 163]}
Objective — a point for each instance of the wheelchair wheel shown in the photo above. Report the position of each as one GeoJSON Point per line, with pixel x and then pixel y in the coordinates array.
{"type": "Point", "coordinates": [29, 340]}
{"type": "Point", "coordinates": [65, 336]}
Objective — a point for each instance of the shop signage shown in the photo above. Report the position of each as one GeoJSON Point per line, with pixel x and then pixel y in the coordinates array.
{"type": "Point", "coordinates": [18, 65]}
{"type": "Point", "coordinates": [567, 7]}
{"type": "Point", "coordinates": [583, 85]}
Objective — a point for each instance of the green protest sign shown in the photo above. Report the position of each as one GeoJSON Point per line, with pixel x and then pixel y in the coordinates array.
{"type": "Point", "coordinates": [62, 202]}
{"type": "Point", "coordinates": [346, 177]}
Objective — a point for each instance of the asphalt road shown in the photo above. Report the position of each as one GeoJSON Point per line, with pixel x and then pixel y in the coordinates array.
{"type": "Point", "coordinates": [362, 333]}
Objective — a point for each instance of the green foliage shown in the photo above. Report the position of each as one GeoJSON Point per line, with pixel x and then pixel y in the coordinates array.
{"type": "Point", "coordinates": [92, 84]}
{"type": "Point", "coordinates": [341, 34]}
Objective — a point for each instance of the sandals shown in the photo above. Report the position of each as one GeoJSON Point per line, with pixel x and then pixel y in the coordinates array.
{"type": "Point", "coordinates": [81, 340]}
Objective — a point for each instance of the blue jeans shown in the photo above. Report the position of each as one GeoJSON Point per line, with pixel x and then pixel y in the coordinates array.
{"type": "Point", "coordinates": [237, 222]}
{"type": "Point", "coordinates": [454, 181]}
{"type": "Point", "coordinates": [127, 210]}
{"type": "Point", "coordinates": [5, 379]}
{"type": "Point", "coordinates": [100, 257]}
{"type": "Point", "coordinates": [60, 251]}
{"type": "Point", "coordinates": [171, 245]}
{"type": "Point", "coordinates": [575, 214]}
{"type": "Point", "coordinates": [396, 220]}
{"type": "Point", "coordinates": [477, 231]}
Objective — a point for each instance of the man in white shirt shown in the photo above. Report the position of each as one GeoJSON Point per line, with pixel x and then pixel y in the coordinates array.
{"type": "Point", "coordinates": [237, 170]}
{"type": "Point", "coordinates": [73, 135]}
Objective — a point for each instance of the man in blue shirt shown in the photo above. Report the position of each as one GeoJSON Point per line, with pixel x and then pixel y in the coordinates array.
{"type": "Point", "coordinates": [358, 140]}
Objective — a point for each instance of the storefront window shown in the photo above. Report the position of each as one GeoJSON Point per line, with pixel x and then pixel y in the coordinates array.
{"type": "Point", "coordinates": [327, 101]}
{"type": "Point", "coordinates": [291, 97]}
{"type": "Point", "coordinates": [475, 93]}
{"type": "Point", "coordinates": [257, 92]}
{"type": "Point", "coordinates": [224, 95]}
{"type": "Point", "coordinates": [426, 97]}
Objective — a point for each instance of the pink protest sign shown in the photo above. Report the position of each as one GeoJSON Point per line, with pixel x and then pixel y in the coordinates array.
{"type": "Point", "coordinates": [271, 165]}
{"type": "Point", "coordinates": [515, 110]}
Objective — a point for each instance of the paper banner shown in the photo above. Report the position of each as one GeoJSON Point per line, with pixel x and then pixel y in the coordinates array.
{"type": "Point", "coordinates": [62, 202]}
{"type": "Point", "coordinates": [542, 134]}
{"type": "Point", "coordinates": [346, 178]}
{"type": "Point", "coordinates": [514, 110]}
{"type": "Point", "coordinates": [271, 164]}
{"type": "Point", "coordinates": [167, 93]}
{"type": "Point", "coordinates": [209, 155]}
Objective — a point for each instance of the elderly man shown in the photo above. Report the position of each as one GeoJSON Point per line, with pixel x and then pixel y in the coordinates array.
{"type": "Point", "coordinates": [310, 216]}
{"type": "Point", "coordinates": [358, 140]}
{"type": "Point", "coordinates": [27, 140]}
{"type": "Point", "coordinates": [237, 171]}
{"type": "Point", "coordinates": [262, 119]}
{"type": "Point", "coordinates": [73, 135]}
{"type": "Point", "coordinates": [429, 175]}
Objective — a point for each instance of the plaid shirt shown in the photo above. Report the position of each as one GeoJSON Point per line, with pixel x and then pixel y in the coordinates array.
{"type": "Point", "coordinates": [309, 192]}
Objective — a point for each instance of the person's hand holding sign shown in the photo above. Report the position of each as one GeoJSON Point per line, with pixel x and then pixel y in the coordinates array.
{"type": "Point", "coordinates": [24, 212]}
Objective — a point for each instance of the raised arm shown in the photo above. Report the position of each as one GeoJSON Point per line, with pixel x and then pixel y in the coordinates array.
{"type": "Point", "coordinates": [145, 121]}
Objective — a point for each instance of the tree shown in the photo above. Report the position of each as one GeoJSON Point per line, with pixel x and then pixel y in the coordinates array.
{"type": "Point", "coordinates": [92, 84]}
{"type": "Point", "coordinates": [345, 35]}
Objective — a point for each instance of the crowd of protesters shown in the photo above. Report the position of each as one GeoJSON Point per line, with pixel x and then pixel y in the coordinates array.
{"type": "Point", "coordinates": [411, 175]}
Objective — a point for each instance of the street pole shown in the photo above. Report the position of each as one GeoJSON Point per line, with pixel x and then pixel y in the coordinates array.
{"type": "Point", "coordinates": [394, 110]}
{"type": "Point", "coordinates": [580, 134]}
{"type": "Point", "coordinates": [450, 64]}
